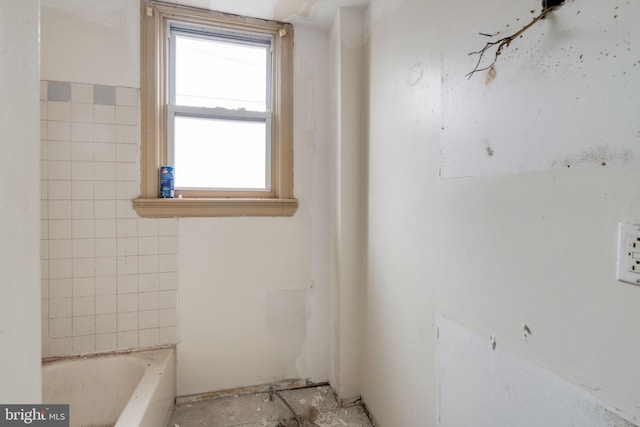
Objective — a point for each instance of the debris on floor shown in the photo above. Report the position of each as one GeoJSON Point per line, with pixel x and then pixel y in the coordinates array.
{"type": "Point", "coordinates": [314, 406]}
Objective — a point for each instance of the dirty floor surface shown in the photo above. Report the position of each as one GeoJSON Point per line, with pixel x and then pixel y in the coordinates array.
{"type": "Point", "coordinates": [256, 410]}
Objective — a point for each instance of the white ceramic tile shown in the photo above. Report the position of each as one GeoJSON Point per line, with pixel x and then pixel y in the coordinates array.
{"type": "Point", "coordinates": [167, 263]}
{"type": "Point", "coordinates": [82, 132]}
{"type": "Point", "coordinates": [127, 153]}
{"type": "Point", "coordinates": [59, 111]}
{"type": "Point", "coordinates": [106, 341]}
{"type": "Point", "coordinates": [60, 288]}
{"type": "Point", "coordinates": [127, 303]}
{"type": "Point", "coordinates": [167, 317]}
{"type": "Point", "coordinates": [104, 152]}
{"type": "Point", "coordinates": [127, 283]}
{"type": "Point", "coordinates": [59, 307]}
{"type": "Point", "coordinates": [167, 299]}
{"type": "Point", "coordinates": [82, 171]}
{"type": "Point", "coordinates": [82, 151]}
{"type": "Point", "coordinates": [106, 228]}
{"type": "Point", "coordinates": [60, 249]}
{"type": "Point", "coordinates": [44, 210]}
{"type": "Point", "coordinates": [44, 229]}
{"type": "Point", "coordinates": [59, 269]}
{"type": "Point", "coordinates": [44, 169]}
{"type": "Point", "coordinates": [127, 339]}
{"type": "Point", "coordinates": [106, 304]}
{"type": "Point", "coordinates": [82, 93]}
{"type": "Point", "coordinates": [168, 281]}
{"type": "Point", "coordinates": [127, 190]}
{"type": "Point", "coordinates": [124, 210]}
{"type": "Point", "coordinates": [127, 321]}
{"type": "Point", "coordinates": [59, 150]}
{"type": "Point", "coordinates": [168, 245]}
{"type": "Point", "coordinates": [148, 246]}
{"type": "Point", "coordinates": [127, 134]}
{"type": "Point", "coordinates": [58, 131]}
{"type": "Point", "coordinates": [44, 154]}
{"type": "Point", "coordinates": [168, 335]}
{"type": "Point", "coordinates": [128, 246]}
{"type": "Point", "coordinates": [149, 337]}
{"type": "Point", "coordinates": [148, 319]}
{"type": "Point", "coordinates": [84, 344]}
{"type": "Point", "coordinates": [147, 227]}
{"type": "Point", "coordinates": [105, 190]}
{"type": "Point", "coordinates": [105, 248]}
{"type": "Point", "coordinates": [44, 268]}
{"type": "Point", "coordinates": [59, 209]}
{"type": "Point", "coordinates": [60, 347]}
{"type": "Point", "coordinates": [82, 190]}
{"type": "Point", "coordinates": [148, 301]}
{"type": "Point", "coordinates": [43, 110]}
{"type": "Point", "coordinates": [59, 170]}
{"type": "Point", "coordinates": [84, 306]}
{"type": "Point", "coordinates": [44, 249]}
{"type": "Point", "coordinates": [106, 285]}
{"type": "Point", "coordinates": [105, 171]}
{"type": "Point", "coordinates": [58, 190]}
{"type": "Point", "coordinates": [127, 96]}
{"type": "Point", "coordinates": [82, 209]}
{"type": "Point", "coordinates": [106, 266]}
{"type": "Point", "coordinates": [82, 113]}
{"type": "Point", "coordinates": [83, 248]}
{"type": "Point", "coordinates": [148, 282]}
{"type": "Point", "coordinates": [59, 229]}
{"type": "Point", "coordinates": [82, 228]}
{"type": "Point", "coordinates": [44, 85]}
{"type": "Point", "coordinates": [44, 127]}
{"type": "Point", "coordinates": [127, 228]}
{"type": "Point", "coordinates": [83, 325]}
{"type": "Point", "coordinates": [126, 115]}
{"type": "Point", "coordinates": [105, 209]}
{"type": "Point", "coordinates": [84, 267]}
{"type": "Point", "coordinates": [104, 113]}
{"type": "Point", "coordinates": [168, 227]}
{"type": "Point", "coordinates": [127, 172]}
{"type": "Point", "coordinates": [131, 264]}
{"type": "Point", "coordinates": [59, 328]}
{"type": "Point", "coordinates": [147, 264]}
{"type": "Point", "coordinates": [104, 132]}
{"type": "Point", "coordinates": [84, 286]}
{"type": "Point", "coordinates": [107, 323]}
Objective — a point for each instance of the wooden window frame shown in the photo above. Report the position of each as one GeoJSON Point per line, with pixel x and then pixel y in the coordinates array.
{"type": "Point", "coordinates": [153, 44]}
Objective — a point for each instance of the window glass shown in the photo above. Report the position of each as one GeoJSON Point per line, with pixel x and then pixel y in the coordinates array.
{"type": "Point", "coordinates": [220, 154]}
{"type": "Point", "coordinates": [212, 72]}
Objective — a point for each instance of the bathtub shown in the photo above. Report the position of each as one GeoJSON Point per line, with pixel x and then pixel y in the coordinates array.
{"type": "Point", "coordinates": [121, 390]}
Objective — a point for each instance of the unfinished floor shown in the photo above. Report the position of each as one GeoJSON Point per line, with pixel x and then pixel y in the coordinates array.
{"type": "Point", "coordinates": [257, 410]}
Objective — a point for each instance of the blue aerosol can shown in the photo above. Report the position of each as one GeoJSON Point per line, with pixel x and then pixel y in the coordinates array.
{"type": "Point", "coordinates": [167, 180]}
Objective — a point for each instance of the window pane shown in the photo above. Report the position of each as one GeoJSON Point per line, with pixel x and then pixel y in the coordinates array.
{"type": "Point", "coordinates": [213, 153]}
{"type": "Point", "coordinates": [214, 73]}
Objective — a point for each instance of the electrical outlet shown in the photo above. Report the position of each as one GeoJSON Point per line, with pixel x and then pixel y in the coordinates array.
{"type": "Point", "coordinates": [629, 253]}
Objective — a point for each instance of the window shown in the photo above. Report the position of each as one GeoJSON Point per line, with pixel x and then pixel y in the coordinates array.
{"type": "Point", "coordinates": [217, 105]}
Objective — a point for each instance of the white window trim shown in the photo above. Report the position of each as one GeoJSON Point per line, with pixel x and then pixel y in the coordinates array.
{"type": "Point", "coordinates": [154, 92]}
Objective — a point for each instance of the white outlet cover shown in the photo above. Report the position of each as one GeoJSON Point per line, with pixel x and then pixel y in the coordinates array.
{"type": "Point", "coordinates": [629, 253]}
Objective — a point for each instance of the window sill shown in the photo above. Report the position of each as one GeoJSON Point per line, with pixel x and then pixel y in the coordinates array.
{"type": "Point", "coordinates": [168, 208]}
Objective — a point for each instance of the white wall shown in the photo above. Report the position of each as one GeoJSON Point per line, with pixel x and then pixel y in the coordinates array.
{"type": "Point", "coordinates": [493, 253]}
{"type": "Point", "coordinates": [20, 205]}
{"type": "Point", "coordinates": [347, 199]}
{"type": "Point", "coordinates": [254, 292]}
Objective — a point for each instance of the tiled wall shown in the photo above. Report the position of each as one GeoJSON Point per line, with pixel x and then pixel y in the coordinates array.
{"type": "Point", "coordinates": [109, 277]}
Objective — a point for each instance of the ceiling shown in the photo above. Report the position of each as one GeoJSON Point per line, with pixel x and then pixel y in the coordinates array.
{"type": "Point", "coordinates": [314, 13]}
